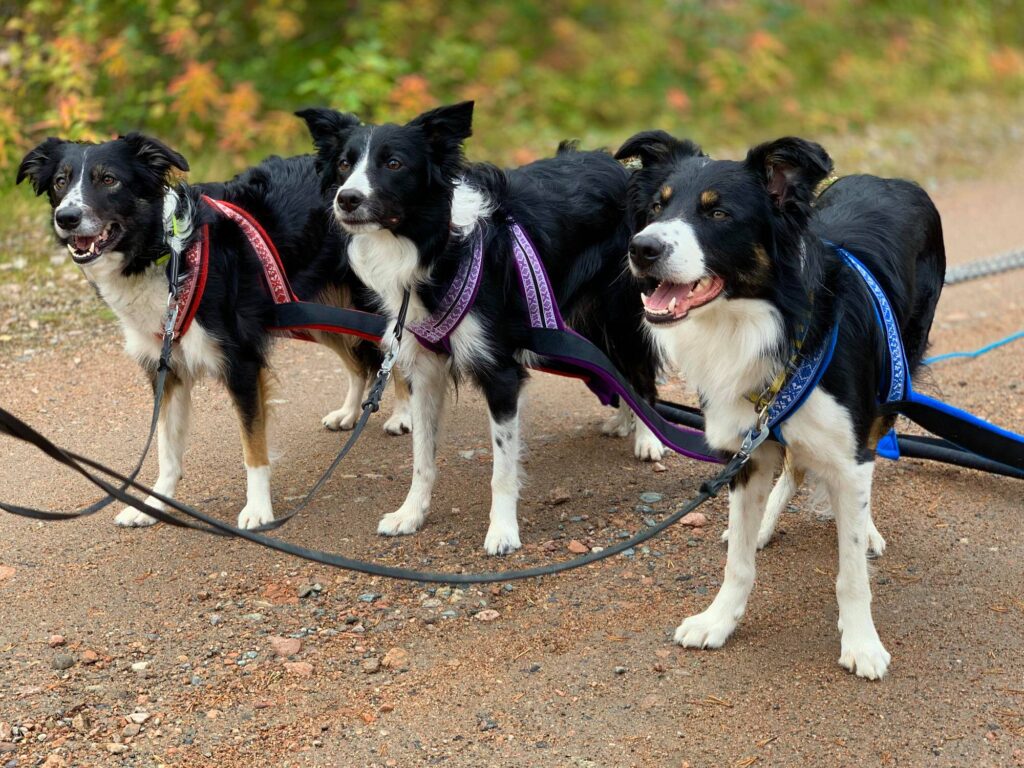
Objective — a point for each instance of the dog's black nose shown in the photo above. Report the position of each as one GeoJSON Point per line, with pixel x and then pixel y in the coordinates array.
{"type": "Point", "coordinates": [350, 199]}
{"type": "Point", "coordinates": [644, 251]}
{"type": "Point", "coordinates": [68, 217]}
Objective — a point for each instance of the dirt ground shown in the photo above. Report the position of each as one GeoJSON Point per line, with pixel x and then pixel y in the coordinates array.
{"type": "Point", "coordinates": [169, 637]}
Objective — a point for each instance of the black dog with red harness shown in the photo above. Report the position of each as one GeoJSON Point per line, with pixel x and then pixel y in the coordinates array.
{"type": "Point", "coordinates": [265, 237]}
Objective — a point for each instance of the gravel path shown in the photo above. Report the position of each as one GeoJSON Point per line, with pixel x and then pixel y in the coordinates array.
{"type": "Point", "coordinates": [161, 647]}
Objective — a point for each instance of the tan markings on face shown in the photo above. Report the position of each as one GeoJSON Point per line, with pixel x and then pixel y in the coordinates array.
{"type": "Point", "coordinates": [666, 192]}
{"type": "Point", "coordinates": [709, 198]}
{"type": "Point", "coordinates": [764, 264]}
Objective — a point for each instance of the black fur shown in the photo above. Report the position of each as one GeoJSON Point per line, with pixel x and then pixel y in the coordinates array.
{"type": "Point", "coordinates": [572, 205]}
{"type": "Point", "coordinates": [282, 194]}
{"type": "Point", "coordinates": [766, 204]}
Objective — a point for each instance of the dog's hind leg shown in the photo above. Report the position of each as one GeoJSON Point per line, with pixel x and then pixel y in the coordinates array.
{"type": "Point", "coordinates": [850, 494]}
{"type": "Point", "coordinates": [502, 392]}
{"type": "Point", "coordinates": [172, 435]}
{"type": "Point", "coordinates": [345, 418]}
{"type": "Point", "coordinates": [429, 388]}
{"type": "Point", "coordinates": [248, 383]}
{"type": "Point", "coordinates": [400, 422]}
{"type": "Point", "coordinates": [747, 498]}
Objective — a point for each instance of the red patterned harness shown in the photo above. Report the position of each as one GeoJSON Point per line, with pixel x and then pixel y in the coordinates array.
{"type": "Point", "coordinates": [197, 259]}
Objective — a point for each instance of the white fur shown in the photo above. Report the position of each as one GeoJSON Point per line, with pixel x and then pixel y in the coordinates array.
{"type": "Point", "coordinates": [90, 226]}
{"type": "Point", "coordinates": [469, 207]}
{"type": "Point", "coordinates": [646, 445]}
{"type": "Point", "coordinates": [503, 532]}
{"type": "Point", "coordinates": [345, 418]}
{"type": "Point", "coordinates": [185, 222]}
{"type": "Point", "coordinates": [172, 434]}
{"type": "Point", "coordinates": [359, 180]}
{"type": "Point", "coordinates": [429, 374]}
{"type": "Point", "coordinates": [684, 257]}
{"type": "Point", "coordinates": [400, 422]}
{"type": "Point", "coordinates": [389, 265]}
{"type": "Point", "coordinates": [620, 423]}
{"type": "Point", "coordinates": [725, 350]}
{"type": "Point", "coordinates": [258, 509]}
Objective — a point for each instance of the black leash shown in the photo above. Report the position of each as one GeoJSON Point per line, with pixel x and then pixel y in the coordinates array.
{"type": "Point", "coordinates": [11, 425]}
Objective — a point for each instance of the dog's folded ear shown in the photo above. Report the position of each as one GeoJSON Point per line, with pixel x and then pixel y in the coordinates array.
{"type": "Point", "coordinates": [328, 127]}
{"type": "Point", "coordinates": [655, 147]}
{"type": "Point", "coordinates": [157, 156]}
{"type": "Point", "coordinates": [790, 168]}
{"type": "Point", "coordinates": [40, 164]}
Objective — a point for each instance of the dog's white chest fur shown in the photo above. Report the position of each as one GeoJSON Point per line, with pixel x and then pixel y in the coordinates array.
{"type": "Point", "coordinates": [725, 351]}
{"type": "Point", "coordinates": [140, 302]}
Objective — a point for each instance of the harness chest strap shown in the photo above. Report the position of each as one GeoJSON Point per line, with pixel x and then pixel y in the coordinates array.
{"type": "Point", "coordinates": [197, 258]}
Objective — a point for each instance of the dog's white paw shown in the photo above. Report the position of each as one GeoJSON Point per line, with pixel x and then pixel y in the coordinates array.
{"type": "Point", "coordinates": [620, 424]}
{"type": "Point", "coordinates": [866, 658]}
{"type": "Point", "coordinates": [502, 539]}
{"type": "Point", "coordinates": [401, 522]}
{"type": "Point", "coordinates": [709, 629]}
{"type": "Point", "coordinates": [400, 422]}
{"type": "Point", "coordinates": [342, 419]}
{"type": "Point", "coordinates": [255, 514]}
{"type": "Point", "coordinates": [648, 447]}
{"type": "Point", "coordinates": [129, 517]}
{"type": "Point", "coordinates": [876, 544]}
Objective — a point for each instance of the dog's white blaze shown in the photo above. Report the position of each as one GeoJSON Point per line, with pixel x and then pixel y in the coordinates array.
{"type": "Point", "coordinates": [469, 207]}
{"type": "Point", "coordinates": [90, 225]}
{"type": "Point", "coordinates": [258, 509]}
{"type": "Point", "coordinates": [503, 531]}
{"type": "Point", "coordinates": [359, 181]}
{"type": "Point", "coordinates": [684, 261]}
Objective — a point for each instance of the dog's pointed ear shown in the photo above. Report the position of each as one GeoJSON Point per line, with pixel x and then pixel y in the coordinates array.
{"type": "Point", "coordinates": [446, 127]}
{"type": "Point", "coordinates": [790, 168]}
{"type": "Point", "coordinates": [157, 156]}
{"type": "Point", "coordinates": [40, 164]}
{"type": "Point", "coordinates": [327, 126]}
{"type": "Point", "coordinates": [655, 147]}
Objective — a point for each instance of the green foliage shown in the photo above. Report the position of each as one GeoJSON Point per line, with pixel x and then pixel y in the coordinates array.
{"type": "Point", "coordinates": [221, 79]}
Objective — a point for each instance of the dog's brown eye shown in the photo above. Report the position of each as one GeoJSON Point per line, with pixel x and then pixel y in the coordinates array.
{"type": "Point", "coordinates": [394, 164]}
{"type": "Point", "coordinates": [656, 209]}
{"type": "Point", "coordinates": [108, 180]}
{"type": "Point", "coordinates": [59, 183]}
{"type": "Point", "coordinates": [719, 214]}
{"type": "Point", "coordinates": [344, 165]}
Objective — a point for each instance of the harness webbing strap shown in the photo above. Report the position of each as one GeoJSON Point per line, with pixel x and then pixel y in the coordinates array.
{"type": "Point", "coordinates": [192, 283]}
{"type": "Point", "coordinates": [434, 331]}
{"type": "Point", "coordinates": [541, 304]}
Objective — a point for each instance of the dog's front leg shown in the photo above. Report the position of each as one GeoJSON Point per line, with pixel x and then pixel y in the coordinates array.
{"type": "Point", "coordinates": [850, 496]}
{"type": "Point", "coordinates": [747, 498]}
{"type": "Point", "coordinates": [248, 385]}
{"type": "Point", "coordinates": [429, 387]}
{"type": "Point", "coordinates": [503, 404]}
{"type": "Point", "coordinates": [172, 435]}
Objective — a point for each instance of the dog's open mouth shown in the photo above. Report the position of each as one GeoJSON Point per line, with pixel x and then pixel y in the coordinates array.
{"type": "Point", "coordinates": [85, 249]}
{"type": "Point", "coordinates": [672, 301]}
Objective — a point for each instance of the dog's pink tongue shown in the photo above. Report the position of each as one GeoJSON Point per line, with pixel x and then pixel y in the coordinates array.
{"type": "Point", "coordinates": [660, 300]}
{"type": "Point", "coordinates": [84, 243]}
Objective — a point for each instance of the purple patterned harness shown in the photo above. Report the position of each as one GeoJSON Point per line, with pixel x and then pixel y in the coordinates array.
{"type": "Point", "coordinates": [564, 351]}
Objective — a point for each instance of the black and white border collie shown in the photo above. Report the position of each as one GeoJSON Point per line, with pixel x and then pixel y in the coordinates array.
{"type": "Point", "coordinates": [413, 208]}
{"type": "Point", "coordinates": [734, 257]}
{"type": "Point", "coordinates": [114, 205]}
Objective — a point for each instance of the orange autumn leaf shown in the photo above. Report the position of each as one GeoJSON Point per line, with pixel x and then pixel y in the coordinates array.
{"type": "Point", "coordinates": [196, 91]}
